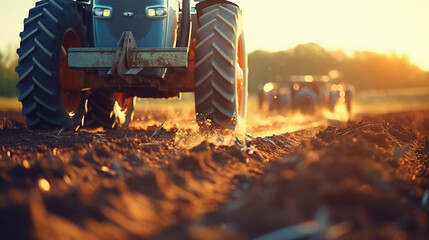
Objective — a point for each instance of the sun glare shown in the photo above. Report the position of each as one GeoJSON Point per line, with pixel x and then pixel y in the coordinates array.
{"type": "Point", "coordinates": [383, 26]}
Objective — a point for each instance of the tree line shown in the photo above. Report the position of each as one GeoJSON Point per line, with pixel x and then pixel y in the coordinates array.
{"type": "Point", "coordinates": [8, 76]}
{"type": "Point", "coordinates": [365, 70]}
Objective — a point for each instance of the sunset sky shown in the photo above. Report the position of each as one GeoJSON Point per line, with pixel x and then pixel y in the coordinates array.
{"type": "Point", "coordinates": [384, 26]}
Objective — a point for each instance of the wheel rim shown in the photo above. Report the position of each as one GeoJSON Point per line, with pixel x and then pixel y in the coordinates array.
{"type": "Point", "coordinates": [124, 103]}
{"type": "Point", "coordinates": [71, 99]}
{"type": "Point", "coordinates": [124, 108]}
{"type": "Point", "coordinates": [240, 77]}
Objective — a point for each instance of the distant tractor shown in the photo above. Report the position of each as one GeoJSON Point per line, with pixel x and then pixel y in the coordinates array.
{"type": "Point", "coordinates": [305, 94]}
{"type": "Point", "coordinates": [84, 62]}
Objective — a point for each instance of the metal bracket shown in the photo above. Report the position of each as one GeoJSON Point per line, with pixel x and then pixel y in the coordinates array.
{"type": "Point", "coordinates": [84, 58]}
{"type": "Point", "coordinates": [121, 61]}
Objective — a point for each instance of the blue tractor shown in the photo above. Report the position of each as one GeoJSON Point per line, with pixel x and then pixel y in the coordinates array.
{"type": "Point", "coordinates": [84, 62]}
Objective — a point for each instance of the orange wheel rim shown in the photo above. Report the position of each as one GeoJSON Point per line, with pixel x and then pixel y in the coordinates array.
{"type": "Point", "coordinates": [71, 98]}
{"type": "Point", "coordinates": [123, 102]}
{"type": "Point", "coordinates": [240, 77]}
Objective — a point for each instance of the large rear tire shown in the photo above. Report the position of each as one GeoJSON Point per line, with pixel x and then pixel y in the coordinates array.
{"type": "Point", "coordinates": [44, 77]}
{"type": "Point", "coordinates": [109, 109]}
{"type": "Point", "coordinates": [221, 67]}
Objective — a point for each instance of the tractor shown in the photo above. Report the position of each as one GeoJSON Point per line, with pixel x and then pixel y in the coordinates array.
{"type": "Point", "coordinates": [306, 94]}
{"type": "Point", "coordinates": [85, 62]}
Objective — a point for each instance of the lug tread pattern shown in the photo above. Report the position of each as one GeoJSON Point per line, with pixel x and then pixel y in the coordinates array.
{"type": "Point", "coordinates": [25, 74]}
{"type": "Point", "coordinates": [38, 6]}
{"type": "Point", "coordinates": [215, 65]}
{"type": "Point", "coordinates": [204, 98]}
{"type": "Point", "coordinates": [42, 67]}
{"type": "Point", "coordinates": [28, 35]}
{"type": "Point", "coordinates": [43, 48]}
{"type": "Point", "coordinates": [204, 27]}
{"type": "Point", "coordinates": [46, 30]}
{"type": "Point", "coordinates": [228, 97]}
{"type": "Point", "coordinates": [203, 79]}
{"type": "Point", "coordinates": [100, 110]}
{"type": "Point", "coordinates": [223, 54]}
{"type": "Point", "coordinates": [56, 5]}
{"type": "Point", "coordinates": [23, 95]}
{"type": "Point", "coordinates": [103, 111]}
{"type": "Point", "coordinates": [25, 55]}
{"type": "Point", "coordinates": [49, 91]}
{"type": "Point", "coordinates": [46, 105]}
{"type": "Point", "coordinates": [50, 15]}
{"type": "Point", "coordinates": [32, 19]}
{"type": "Point", "coordinates": [209, 13]}
{"type": "Point", "coordinates": [33, 121]}
{"type": "Point", "coordinates": [38, 66]}
{"type": "Point", "coordinates": [203, 60]}
{"type": "Point", "coordinates": [224, 75]}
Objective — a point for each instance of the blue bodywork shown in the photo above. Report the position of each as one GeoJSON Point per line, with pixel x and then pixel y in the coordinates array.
{"type": "Point", "coordinates": [132, 15]}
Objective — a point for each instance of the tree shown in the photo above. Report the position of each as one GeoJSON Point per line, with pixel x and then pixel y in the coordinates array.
{"type": "Point", "coordinates": [8, 76]}
{"type": "Point", "coordinates": [365, 70]}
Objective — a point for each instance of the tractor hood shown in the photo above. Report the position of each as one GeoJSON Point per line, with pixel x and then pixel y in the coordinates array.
{"type": "Point", "coordinates": [150, 21]}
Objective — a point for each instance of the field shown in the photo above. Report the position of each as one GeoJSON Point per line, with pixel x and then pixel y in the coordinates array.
{"type": "Point", "coordinates": [295, 177]}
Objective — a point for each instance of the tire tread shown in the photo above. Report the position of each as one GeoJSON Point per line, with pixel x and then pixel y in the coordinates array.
{"type": "Point", "coordinates": [215, 65]}
{"type": "Point", "coordinates": [38, 66]}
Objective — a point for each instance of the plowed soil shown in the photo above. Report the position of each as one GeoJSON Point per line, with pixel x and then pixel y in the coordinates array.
{"type": "Point", "coordinates": [361, 179]}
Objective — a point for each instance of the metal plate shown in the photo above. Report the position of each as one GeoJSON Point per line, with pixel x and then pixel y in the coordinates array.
{"type": "Point", "coordinates": [139, 58]}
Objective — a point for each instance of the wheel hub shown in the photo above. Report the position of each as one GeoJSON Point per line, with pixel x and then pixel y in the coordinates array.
{"type": "Point", "coordinates": [71, 99]}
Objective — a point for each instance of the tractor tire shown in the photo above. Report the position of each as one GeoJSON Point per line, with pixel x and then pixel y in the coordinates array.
{"type": "Point", "coordinates": [305, 100]}
{"type": "Point", "coordinates": [272, 102]}
{"type": "Point", "coordinates": [109, 110]}
{"type": "Point", "coordinates": [221, 68]}
{"type": "Point", "coordinates": [44, 77]}
{"type": "Point", "coordinates": [333, 100]}
{"type": "Point", "coordinates": [285, 100]}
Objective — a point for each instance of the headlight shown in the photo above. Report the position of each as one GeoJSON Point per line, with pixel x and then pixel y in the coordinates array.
{"type": "Point", "coordinates": [268, 87]}
{"type": "Point", "coordinates": [102, 11]}
{"type": "Point", "coordinates": [156, 11]}
{"type": "Point", "coordinates": [161, 11]}
{"type": "Point", "coordinates": [308, 78]}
